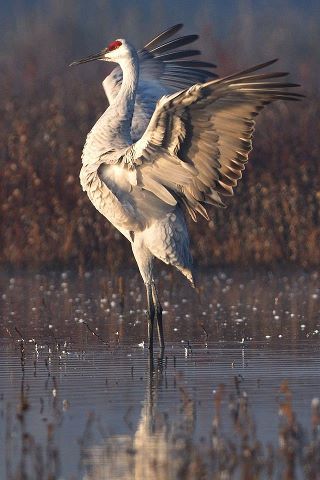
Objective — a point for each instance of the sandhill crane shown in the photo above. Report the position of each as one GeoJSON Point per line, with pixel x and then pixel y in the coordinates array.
{"type": "Point", "coordinates": [173, 139]}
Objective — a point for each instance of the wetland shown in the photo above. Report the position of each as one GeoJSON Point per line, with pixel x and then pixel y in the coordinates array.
{"type": "Point", "coordinates": [235, 394]}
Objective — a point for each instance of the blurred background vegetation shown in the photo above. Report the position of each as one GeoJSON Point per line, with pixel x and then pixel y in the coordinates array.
{"type": "Point", "coordinates": [47, 110]}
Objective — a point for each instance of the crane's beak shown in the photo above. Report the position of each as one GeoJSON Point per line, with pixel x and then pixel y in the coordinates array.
{"type": "Point", "coordinates": [96, 56]}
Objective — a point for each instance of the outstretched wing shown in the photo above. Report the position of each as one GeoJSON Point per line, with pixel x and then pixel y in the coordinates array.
{"type": "Point", "coordinates": [198, 140]}
{"type": "Point", "coordinates": [164, 69]}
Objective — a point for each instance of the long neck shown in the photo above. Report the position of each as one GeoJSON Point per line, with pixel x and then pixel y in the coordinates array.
{"type": "Point", "coordinates": [121, 110]}
{"type": "Point", "coordinates": [113, 129]}
{"type": "Point", "coordinates": [127, 93]}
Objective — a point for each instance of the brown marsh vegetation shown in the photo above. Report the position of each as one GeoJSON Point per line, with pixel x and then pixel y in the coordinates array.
{"type": "Point", "coordinates": [46, 111]}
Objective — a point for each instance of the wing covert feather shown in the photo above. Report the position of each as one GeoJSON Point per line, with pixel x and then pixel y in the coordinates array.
{"type": "Point", "coordinates": [198, 140]}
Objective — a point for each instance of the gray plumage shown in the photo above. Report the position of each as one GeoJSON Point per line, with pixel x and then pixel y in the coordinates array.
{"type": "Point", "coordinates": [173, 139]}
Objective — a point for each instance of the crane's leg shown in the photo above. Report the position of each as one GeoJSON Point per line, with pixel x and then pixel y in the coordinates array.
{"type": "Point", "coordinates": [144, 260]}
{"type": "Point", "coordinates": [158, 314]}
{"type": "Point", "coordinates": [151, 315]}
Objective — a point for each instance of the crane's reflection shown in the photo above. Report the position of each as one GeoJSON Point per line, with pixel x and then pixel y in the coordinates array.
{"type": "Point", "coordinates": [153, 451]}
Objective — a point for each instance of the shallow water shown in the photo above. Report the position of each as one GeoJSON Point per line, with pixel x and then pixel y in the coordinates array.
{"type": "Point", "coordinates": [80, 397]}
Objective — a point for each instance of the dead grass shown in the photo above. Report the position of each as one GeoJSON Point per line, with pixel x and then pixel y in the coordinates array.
{"type": "Point", "coordinates": [45, 114]}
{"type": "Point", "coordinates": [47, 219]}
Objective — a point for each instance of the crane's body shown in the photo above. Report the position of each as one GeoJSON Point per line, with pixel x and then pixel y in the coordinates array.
{"type": "Point", "coordinates": [170, 142]}
{"type": "Point", "coordinates": [154, 227]}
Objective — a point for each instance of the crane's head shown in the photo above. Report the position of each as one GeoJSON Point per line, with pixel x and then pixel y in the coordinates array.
{"type": "Point", "coordinates": [116, 51]}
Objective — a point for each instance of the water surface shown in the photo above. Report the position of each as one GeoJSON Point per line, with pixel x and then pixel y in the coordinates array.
{"type": "Point", "coordinates": [80, 397]}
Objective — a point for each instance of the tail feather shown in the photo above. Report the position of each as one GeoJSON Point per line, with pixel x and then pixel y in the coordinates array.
{"type": "Point", "coordinates": [187, 272]}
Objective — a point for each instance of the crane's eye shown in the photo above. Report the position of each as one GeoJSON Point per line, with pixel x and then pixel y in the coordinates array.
{"type": "Point", "coordinates": [114, 45]}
